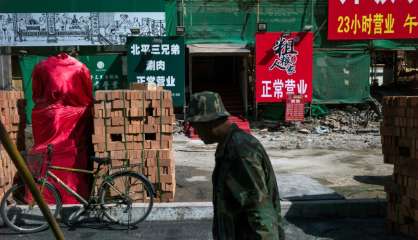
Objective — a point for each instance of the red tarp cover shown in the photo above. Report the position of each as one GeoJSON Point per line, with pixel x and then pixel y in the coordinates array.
{"type": "Point", "coordinates": [62, 92]}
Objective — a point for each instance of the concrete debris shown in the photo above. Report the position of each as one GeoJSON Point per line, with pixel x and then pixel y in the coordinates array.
{"type": "Point", "coordinates": [304, 130]}
{"type": "Point", "coordinates": [321, 130]}
{"type": "Point", "coordinates": [343, 128]}
{"type": "Point", "coordinates": [346, 128]}
{"type": "Point", "coordinates": [347, 120]}
{"type": "Point", "coordinates": [178, 127]}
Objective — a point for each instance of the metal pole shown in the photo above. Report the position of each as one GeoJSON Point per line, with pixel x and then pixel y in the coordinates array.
{"type": "Point", "coordinates": [182, 12]}
{"type": "Point", "coordinates": [244, 62]}
{"type": "Point", "coordinates": [190, 74]}
{"type": "Point", "coordinates": [23, 170]}
{"type": "Point", "coordinates": [258, 11]}
{"type": "Point", "coordinates": [3, 79]}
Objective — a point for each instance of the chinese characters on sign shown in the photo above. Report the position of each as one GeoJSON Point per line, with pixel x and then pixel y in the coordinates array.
{"type": "Point", "coordinates": [105, 82]}
{"type": "Point", "coordinates": [156, 66]}
{"type": "Point", "coordinates": [295, 109]}
{"type": "Point", "coordinates": [159, 61]}
{"type": "Point", "coordinates": [283, 66]}
{"type": "Point", "coordinates": [106, 71]}
{"type": "Point", "coordinates": [155, 49]}
{"type": "Point", "coordinates": [372, 19]}
{"type": "Point", "coordinates": [286, 55]}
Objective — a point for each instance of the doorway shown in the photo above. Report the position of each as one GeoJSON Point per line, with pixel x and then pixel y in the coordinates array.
{"type": "Point", "coordinates": [226, 75]}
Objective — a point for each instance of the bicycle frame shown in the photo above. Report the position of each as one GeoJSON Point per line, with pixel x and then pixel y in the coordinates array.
{"type": "Point", "coordinates": [95, 174]}
{"type": "Point", "coordinates": [66, 187]}
{"type": "Point", "coordinates": [71, 191]}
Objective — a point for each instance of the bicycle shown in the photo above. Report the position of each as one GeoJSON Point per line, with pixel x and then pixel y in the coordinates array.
{"type": "Point", "coordinates": [115, 197]}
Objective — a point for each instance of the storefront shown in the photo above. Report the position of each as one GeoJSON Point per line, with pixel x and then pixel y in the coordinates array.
{"type": "Point", "coordinates": [220, 44]}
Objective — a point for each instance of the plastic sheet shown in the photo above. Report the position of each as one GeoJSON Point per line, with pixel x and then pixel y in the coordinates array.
{"type": "Point", "coordinates": [62, 92]}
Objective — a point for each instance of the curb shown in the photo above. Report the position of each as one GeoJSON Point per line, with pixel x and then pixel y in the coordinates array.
{"type": "Point", "coordinates": [356, 208]}
{"type": "Point", "coordinates": [353, 208]}
{"type": "Point", "coordinates": [181, 211]}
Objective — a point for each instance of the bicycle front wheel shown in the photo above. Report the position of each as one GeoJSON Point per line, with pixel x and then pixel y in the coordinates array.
{"type": "Point", "coordinates": [20, 211]}
{"type": "Point", "coordinates": [126, 197]}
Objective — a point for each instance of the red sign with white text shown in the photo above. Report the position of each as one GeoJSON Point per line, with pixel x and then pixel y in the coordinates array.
{"type": "Point", "coordinates": [283, 66]}
{"type": "Point", "coordinates": [372, 19]}
{"type": "Point", "coordinates": [295, 109]}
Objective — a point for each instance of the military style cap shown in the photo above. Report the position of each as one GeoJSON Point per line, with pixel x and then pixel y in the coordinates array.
{"type": "Point", "coordinates": [205, 107]}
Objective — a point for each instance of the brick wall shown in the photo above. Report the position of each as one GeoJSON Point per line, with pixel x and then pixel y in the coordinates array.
{"type": "Point", "coordinates": [399, 131]}
{"type": "Point", "coordinates": [135, 129]}
{"type": "Point", "coordinates": [12, 115]}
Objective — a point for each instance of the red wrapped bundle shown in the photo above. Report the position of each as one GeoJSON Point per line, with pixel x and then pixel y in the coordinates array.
{"type": "Point", "coordinates": [62, 92]}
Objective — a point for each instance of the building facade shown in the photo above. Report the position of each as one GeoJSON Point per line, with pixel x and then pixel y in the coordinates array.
{"type": "Point", "coordinates": [219, 38]}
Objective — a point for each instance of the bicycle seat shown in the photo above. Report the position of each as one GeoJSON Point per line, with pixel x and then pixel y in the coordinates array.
{"type": "Point", "coordinates": [105, 160]}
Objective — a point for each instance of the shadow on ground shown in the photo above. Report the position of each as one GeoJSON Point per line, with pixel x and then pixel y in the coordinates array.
{"type": "Point", "coordinates": [374, 180]}
{"type": "Point", "coordinates": [338, 229]}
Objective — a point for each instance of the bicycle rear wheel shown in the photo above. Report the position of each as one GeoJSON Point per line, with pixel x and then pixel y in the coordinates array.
{"type": "Point", "coordinates": [20, 211]}
{"type": "Point", "coordinates": [127, 198]}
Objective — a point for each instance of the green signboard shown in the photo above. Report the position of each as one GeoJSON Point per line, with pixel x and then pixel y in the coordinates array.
{"type": "Point", "coordinates": [106, 74]}
{"type": "Point", "coordinates": [105, 70]}
{"type": "Point", "coordinates": [158, 60]}
{"type": "Point", "coordinates": [27, 63]}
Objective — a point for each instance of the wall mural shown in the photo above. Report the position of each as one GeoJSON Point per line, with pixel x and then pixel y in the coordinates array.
{"type": "Point", "coordinates": [77, 28]}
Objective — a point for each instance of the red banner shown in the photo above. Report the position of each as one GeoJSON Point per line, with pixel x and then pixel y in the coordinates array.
{"type": "Point", "coordinates": [372, 19]}
{"type": "Point", "coordinates": [283, 66]}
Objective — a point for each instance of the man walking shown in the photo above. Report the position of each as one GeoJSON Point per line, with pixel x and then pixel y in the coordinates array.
{"type": "Point", "coordinates": [245, 194]}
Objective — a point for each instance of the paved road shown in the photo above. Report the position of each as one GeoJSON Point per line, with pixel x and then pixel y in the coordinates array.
{"type": "Point", "coordinates": [354, 173]}
{"type": "Point", "coordinates": [297, 229]}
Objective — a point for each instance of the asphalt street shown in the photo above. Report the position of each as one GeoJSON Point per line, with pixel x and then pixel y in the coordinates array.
{"type": "Point", "coordinates": [300, 229]}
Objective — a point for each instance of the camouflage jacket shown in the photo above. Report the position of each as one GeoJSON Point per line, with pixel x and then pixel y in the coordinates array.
{"type": "Point", "coordinates": [245, 194]}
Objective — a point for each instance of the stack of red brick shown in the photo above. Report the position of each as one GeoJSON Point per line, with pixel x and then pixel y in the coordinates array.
{"type": "Point", "coordinates": [135, 129]}
{"type": "Point", "coordinates": [399, 132]}
{"type": "Point", "coordinates": [12, 115]}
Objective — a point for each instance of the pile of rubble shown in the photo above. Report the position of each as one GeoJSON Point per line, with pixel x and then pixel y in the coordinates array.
{"type": "Point", "coordinates": [352, 121]}
{"type": "Point", "coordinates": [347, 120]}
{"type": "Point", "coordinates": [347, 128]}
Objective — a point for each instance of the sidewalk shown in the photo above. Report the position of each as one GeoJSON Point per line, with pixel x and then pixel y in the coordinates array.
{"type": "Point", "coordinates": [365, 208]}
{"type": "Point", "coordinates": [353, 173]}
